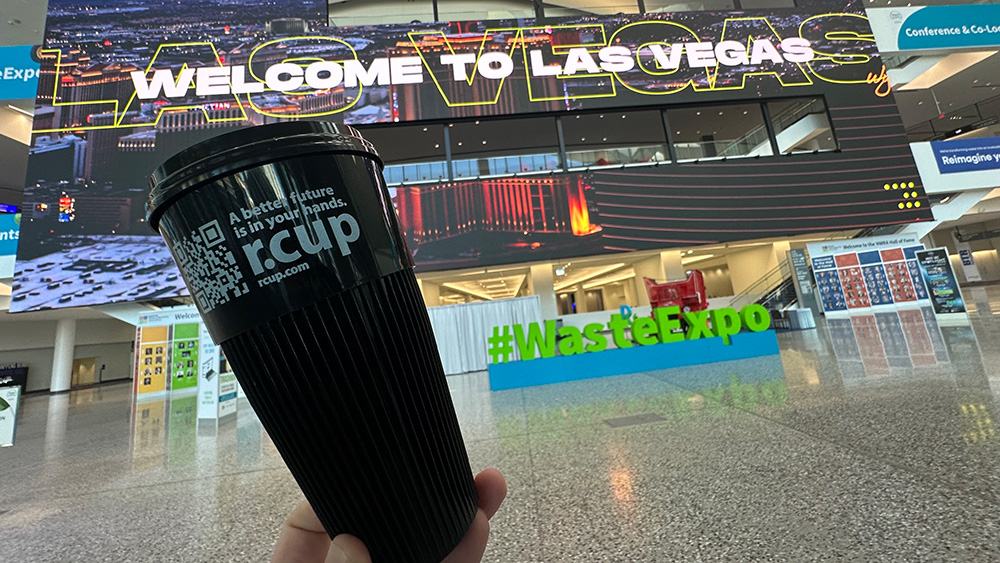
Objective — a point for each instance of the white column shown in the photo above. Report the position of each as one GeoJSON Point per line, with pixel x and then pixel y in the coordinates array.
{"type": "Point", "coordinates": [673, 269]}
{"type": "Point", "coordinates": [431, 292]}
{"type": "Point", "coordinates": [581, 299]}
{"type": "Point", "coordinates": [62, 357]}
{"type": "Point", "coordinates": [543, 285]}
{"type": "Point", "coordinates": [665, 266]}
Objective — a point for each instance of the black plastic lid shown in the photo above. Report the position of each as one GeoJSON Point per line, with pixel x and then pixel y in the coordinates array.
{"type": "Point", "coordinates": [244, 148]}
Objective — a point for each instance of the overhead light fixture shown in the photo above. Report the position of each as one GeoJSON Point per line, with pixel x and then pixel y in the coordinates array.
{"type": "Point", "coordinates": [21, 111]}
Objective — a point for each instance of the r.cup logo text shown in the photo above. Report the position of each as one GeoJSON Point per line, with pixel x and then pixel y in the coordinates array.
{"type": "Point", "coordinates": [287, 246]}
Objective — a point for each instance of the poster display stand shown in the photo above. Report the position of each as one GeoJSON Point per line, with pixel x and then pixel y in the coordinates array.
{"type": "Point", "coordinates": [942, 284]}
{"type": "Point", "coordinates": [9, 399]}
{"type": "Point", "coordinates": [175, 354]}
{"type": "Point", "coordinates": [862, 274]}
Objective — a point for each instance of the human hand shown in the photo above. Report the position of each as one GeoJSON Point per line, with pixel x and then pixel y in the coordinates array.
{"type": "Point", "coordinates": [303, 539]}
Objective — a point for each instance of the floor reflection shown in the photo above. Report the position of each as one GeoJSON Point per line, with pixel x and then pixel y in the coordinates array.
{"type": "Point", "coordinates": [899, 344]}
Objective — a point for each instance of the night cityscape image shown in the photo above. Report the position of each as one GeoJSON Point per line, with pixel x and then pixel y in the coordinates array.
{"type": "Point", "coordinates": [121, 90]}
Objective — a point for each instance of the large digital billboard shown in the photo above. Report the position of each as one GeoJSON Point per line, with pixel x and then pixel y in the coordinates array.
{"type": "Point", "coordinates": [116, 99]}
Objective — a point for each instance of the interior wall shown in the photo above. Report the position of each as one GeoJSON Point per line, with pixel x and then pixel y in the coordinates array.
{"type": "Point", "coordinates": [984, 252]}
{"type": "Point", "coordinates": [717, 281]}
{"type": "Point", "coordinates": [33, 342]}
{"type": "Point", "coordinates": [750, 265]}
{"type": "Point", "coordinates": [614, 296]}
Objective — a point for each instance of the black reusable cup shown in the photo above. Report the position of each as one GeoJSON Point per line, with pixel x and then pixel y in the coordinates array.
{"type": "Point", "coordinates": [287, 239]}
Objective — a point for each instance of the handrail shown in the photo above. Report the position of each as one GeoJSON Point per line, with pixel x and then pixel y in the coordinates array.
{"type": "Point", "coordinates": [782, 118]}
{"type": "Point", "coordinates": [914, 135]}
{"type": "Point", "coordinates": [775, 278]}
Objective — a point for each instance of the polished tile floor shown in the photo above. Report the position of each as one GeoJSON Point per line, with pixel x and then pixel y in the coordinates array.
{"type": "Point", "coordinates": [877, 442]}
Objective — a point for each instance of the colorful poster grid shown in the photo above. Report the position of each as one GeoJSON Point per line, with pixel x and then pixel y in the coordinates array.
{"type": "Point", "coordinates": [860, 280]}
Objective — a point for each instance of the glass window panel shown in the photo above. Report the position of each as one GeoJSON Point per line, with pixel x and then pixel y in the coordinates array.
{"type": "Point", "coordinates": [759, 4]}
{"type": "Point", "coordinates": [399, 144]}
{"type": "Point", "coordinates": [375, 12]}
{"type": "Point", "coordinates": [412, 153]}
{"type": "Point", "coordinates": [504, 146]}
{"type": "Point", "coordinates": [654, 6]}
{"type": "Point", "coordinates": [728, 131]}
{"type": "Point", "coordinates": [472, 10]}
{"type": "Point", "coordinates": [612, 138]}
{"type": "Point", "coordinates": [801, 125]}
{"type": "Point", "coordinates": [592, 7]}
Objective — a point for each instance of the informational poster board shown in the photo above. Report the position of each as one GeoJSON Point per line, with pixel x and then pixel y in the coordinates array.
{"type": "Point", "coordinates": [152, 346]}
{"type": "Point", "coordinates": [858, 274]}
{"type": "Point", "coordinates": [9, 399]}
{"type": "Point", "coordinates": [184, 364]}
{"type": "Point", "coordinates": [946, 295]}
{"type": "Point", "coordinates": [177, 340]}
{"type": "Point", "coordinates": [208, 378]}
{"type": "Point", "coordinates": [227, 394]}
{"type": "Point", "coordinates": [803, 280]}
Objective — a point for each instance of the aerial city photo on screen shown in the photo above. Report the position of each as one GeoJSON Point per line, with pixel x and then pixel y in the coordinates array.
{"type": "Point", "coordinates": [125, 85]}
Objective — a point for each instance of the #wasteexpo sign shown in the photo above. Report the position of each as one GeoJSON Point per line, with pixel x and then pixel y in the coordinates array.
{"type": "Point", "coordinates": [936, 27]}
{"type": "Point", "coordinates": [664, 327]}
{"type": "Point", "coordinates": [967, 155]}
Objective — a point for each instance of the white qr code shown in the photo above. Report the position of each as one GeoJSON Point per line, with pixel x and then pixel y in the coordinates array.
{"type": "Point", "coordinates": [210, 267]}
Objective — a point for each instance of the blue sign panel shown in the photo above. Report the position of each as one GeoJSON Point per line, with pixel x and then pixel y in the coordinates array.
{"type": "Point", "coordinates": [823, 263]}
{"type": "Point", "coordinates": [950, 27]}
{"type": "Point", "coordinates": [872, 257]}
{"type": "Point", "coordinates": [18, 73]}
{"type": "Point", "coordinates": [967, 155]}
{"type": "Point", "coordinates": [10, 229]}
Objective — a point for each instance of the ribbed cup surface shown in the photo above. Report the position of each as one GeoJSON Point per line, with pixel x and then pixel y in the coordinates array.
{"type": "Point", "coordinates": [352, 392]}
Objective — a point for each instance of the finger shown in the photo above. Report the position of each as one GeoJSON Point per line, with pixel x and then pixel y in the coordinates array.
{"type": "Point", "coordinates": [348, 549]}
{"type": "Point", "coordinates": [492, 490]}
{"type": "Point", "coordinates": [303, 539]}
{"type": "Point", "coordinates": [473, 545]}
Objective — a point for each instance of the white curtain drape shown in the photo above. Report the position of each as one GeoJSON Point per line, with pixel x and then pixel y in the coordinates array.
{"type": "Point", "coordinates": [462, 330]}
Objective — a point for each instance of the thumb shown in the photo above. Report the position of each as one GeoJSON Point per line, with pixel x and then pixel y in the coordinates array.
{"type": "Point", "coordinates": [348, 549]}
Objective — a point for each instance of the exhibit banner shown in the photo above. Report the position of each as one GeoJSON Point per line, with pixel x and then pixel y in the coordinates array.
{"type": "Point", "coordinates": [151, 368]}
{"type": "Point", "coordinates": [9, 399]}
{"type": "Point", "coordinates": [935, 267]}
{"type": "Point", "coordinates": [967, 155]}
{"type": "Point", "coordinates": [227, 394]}
{"type": "Point", "coordinates": [110, 111]}
{"type": "Point", "coordinates": [969, 267]}
{"type": "Point", "coordinates": [208, 377]}
{"type": "Point", "coordinates": [936, 28]}
{"type": "Point", "coordinates": [10, 232]}
{"type": "Point", "coordinates": [803, 279]}
{"type": "Point", "coordinates": [18, 72]}
{"type": "Point", "coordinates": [856, 274]}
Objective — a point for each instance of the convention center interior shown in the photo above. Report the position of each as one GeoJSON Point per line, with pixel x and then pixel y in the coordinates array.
{"type": "Point", "coordinates": [372, 281]}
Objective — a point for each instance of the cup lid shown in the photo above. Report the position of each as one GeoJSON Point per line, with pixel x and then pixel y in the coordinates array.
{"type": "Point", "coordinates": [244, 148]}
